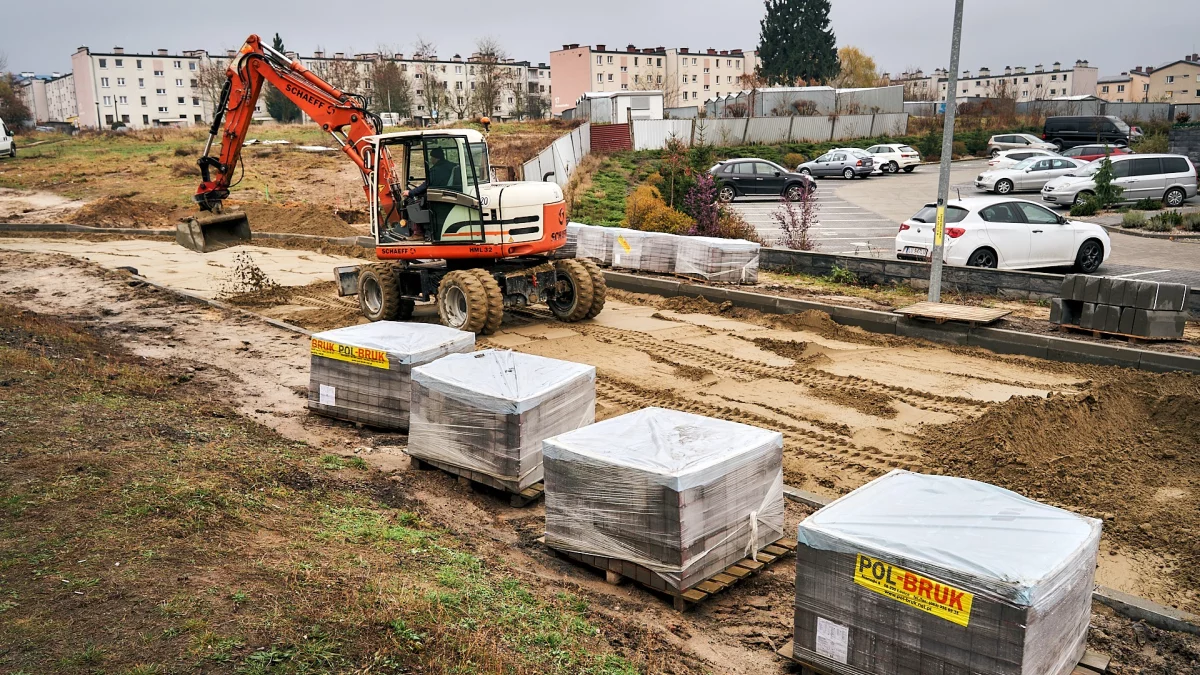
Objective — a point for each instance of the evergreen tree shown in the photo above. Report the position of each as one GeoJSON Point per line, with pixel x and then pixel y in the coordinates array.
{"type": "Point", "coordinates": [279, 106]}
{"type": "Point", "coordinates": [796, 44]}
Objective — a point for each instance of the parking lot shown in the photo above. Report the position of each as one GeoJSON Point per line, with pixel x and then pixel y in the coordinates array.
{"type": "Point", "coordinates": [861, 217]}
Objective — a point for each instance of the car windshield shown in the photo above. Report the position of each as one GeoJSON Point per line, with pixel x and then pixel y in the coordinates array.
{"type": "Point", "coordinates": [1089, 169]}
{"type": "Point", "coordinates": [954, 214]}
{"type": "Point", "coordinates": [1026, 163]}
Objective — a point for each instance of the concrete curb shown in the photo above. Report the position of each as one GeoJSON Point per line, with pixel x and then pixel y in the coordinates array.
{"type": "Point", "coordinates": [365, 242]}
{"type": "Point", "coordinates": [998, 340]}
{"type": "Point", "coordinates": [1130, 606]}
{"type": "Point", "coordinates": [1186, 238]}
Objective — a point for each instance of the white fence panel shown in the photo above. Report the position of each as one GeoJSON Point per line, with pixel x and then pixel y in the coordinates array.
{"type": "Point", "coordinates": [563, 155]}
{"type": "Point", "coordinates": [889, 124]}
{"type": "Point", "coordinates": [653, 134]}
{"type": "Point", "coordinates": [768, 129]}
{"type": "Point", "coordinates": [811, 129]}
{"type": "Point", "coordinates": [852, 126]}
{"type": "Point", "coordinates": [723, 131]}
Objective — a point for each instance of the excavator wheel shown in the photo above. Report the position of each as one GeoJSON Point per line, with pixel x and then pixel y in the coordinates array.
{"type": "Point", "coordinates": [462, 301]}
{"type": "Point", "coordinates": [599, 288]}
{"type": "Point", "coordinates": [574, 298]}
{"type": "Point", "coordinates": [379, 294]}
{"type": "Point", "coordinates": [495, 301]}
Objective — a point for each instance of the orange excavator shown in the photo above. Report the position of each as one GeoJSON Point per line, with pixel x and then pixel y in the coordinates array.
{"type": "Point", "coordinates": [443, 229]}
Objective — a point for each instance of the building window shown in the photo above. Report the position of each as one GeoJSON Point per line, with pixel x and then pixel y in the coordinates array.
{"type": "Point", "coordinates": [104, 82]}
{"type": "Point", "coordinates": [706, 87]}
{"type": "Point", "coordinates": [693, 78]}
{"type": "Point", "coordinates": [107, 100]}
{"type": "Point", "coordinates": [120, 82]}
{"type": "Point", "coordinates": [685, 95]}
{"type": "Point", "coordinates": [706, 70]}
{"type": "Point", "coordinates": [599, 77]}
{"type": "Point", "coordinates": [1170, 79]}
{"type": "Point", "coordinates": [195, 100]}
{"type": "Point", "coordinates": [192, 66]}
{"type": "Point", "coordinates": [146, 120]}
{"type": "Point", "coordinates": [1120, 88]}
{"type": "Point", "coordinates": [610, 60]}
{"type": "Point", "coordinates": [162, 108]}
{"type": "Point", "coordinates": [158, 73]}
{"type": "Point", "coordinates": [624, 69]}
{"type": "Point", "coordinates": [141, 83]}
{"type": "Point", "coordinates": [1025, 92]}
{"type": "Point", "coordinates": [659, 81]}
{"type": "Point", "coordinates": [1146, 87]}
{"type": "Point", "coordinates": [139, 64]}
{"type": "Point", "coordinates": [978, 83]}
{"type": "Point", "coordinates": [161, 92]}
{"type": "Point", "coordinates": [178, 82]}
{"type": "Point", "coordinates": [624, 86]}
{"type": "Point", "coordinates": [693, 62]}
{"type": "Point", "coordinates": [103, 63]}
{"type": "Point", "coordinates": [1104, 89]}
{"type": "Point", "coordinates": [637, 78]}
{"type": "Point", "coordinates": [180, 99]}
{"type": "Point", "coordinates": [193, 84]}
{"type": "Point", "coordinates": [635, 60]}
{"type": "Point", "coordinates": [178, 64]}
{"type": "Point", "coordinates": [108, 119]}
{"type": "Point", "coordinates": [143, 100]}
{"type": "Point", "coordinates": [685, 79]}
{"type": "Point", "coordinates": [1025, 80]}
{"type": "Point", "coordinates": [122, 99]}
{"type": "Point", "coordinates": [610, 77]}
{"type": "Point", "coordinates": [739, 64]}
{"type": "Point", "coordinates": [119, 63]}
{"type": "Point", "coordinates": [1053, 77]}
{"type": "Point", "coordinates": [1053, 91]}
{"type": "Point", "coordinates": [658, 62]}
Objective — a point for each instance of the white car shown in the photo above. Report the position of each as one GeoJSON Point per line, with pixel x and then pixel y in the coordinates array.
{"type": "Point", "coordinates": [8, 147]}
{"type": "Point", "coordinates": [998, 144]}
{"type": "Point", "coordinates": [1004, 233]}
{"type": "Point", "coordinates": [1008, 158]}
{"type": "Point", "coordinates": [891, 158]}
{"type": "Point", "coordinates": [1028, 174]}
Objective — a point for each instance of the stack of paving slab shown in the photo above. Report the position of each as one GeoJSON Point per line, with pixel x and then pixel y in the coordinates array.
{"type": "Point", "coordinates": [681, 495]}
{"type": "Point", "coordinates": [571, 248]}
{"type": "Point", "coordinates": [596, 242]}
{"type": "Point", "coordinates": [488, 412]}
{"type": "Point", "coordinates": [722, 260]}
{"type": "Point", "coordinates": [935, 574]}
{"type": "Point", "coordinates": [1149, 309]}
{"type": "Point", "coordinates": [362, 373]}
{"type": "Point", "coordinates": [645, 251]}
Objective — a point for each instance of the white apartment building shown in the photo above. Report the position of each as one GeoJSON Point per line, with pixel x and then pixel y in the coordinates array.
{"type": "Point", "coordinates": [695, 77]}
{"type": "Point", "coordinates": [139, 90]}
{"type": "Point", "coordinates": [31, 89]}
{"type": "Point", "coordinates": [60, 98]}
{"type": "Point", "coordinates": [1017, 83]}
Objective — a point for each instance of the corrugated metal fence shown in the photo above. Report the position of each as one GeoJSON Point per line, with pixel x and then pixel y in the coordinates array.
{"type": "Point", "coordinates": [561, 157]}
{"type": "Point", "coordinates": [653, 134]}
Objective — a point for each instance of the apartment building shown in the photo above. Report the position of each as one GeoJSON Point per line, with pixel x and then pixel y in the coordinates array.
{"type": "Point", "coordinates": [31, 89]}
{"type": "Point", "coordinates": [139, 90]}
{"type": "Point", "coordinates": [1017, 83]}
{"type": "Point", "coordinates": [685, 77]}
{"type": "Point", "coordinates": [1175, 82]}
{"type": "Point", "coordinates": [60, 98]}
{"type": "Point", "coordinates": [1128, 87]}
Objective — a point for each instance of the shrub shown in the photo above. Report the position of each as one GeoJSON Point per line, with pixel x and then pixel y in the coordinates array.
{"type": "Point", "coordinates": [731, 225]}
{"type": "Point", "coordinates": [1085, 208]}
{"type": "Point", "coordinates": [701, 204]}
{"type": "Point", "coordinates": [795, 219]}
{"type": "Point", "coordinates": [1107, 192]}
{"type": "Point", "coordinates": [667, 219]}
{"type": "Point", "coordinates": [1191, 222]}
{"type": "Point", "coordinates": [792, 160]}
{"type": "Point", "coordinates": [976, 145]}
{"type": "Point", "coordinates": [1147, 204]}
{"type": "Point", "coordinates": [640, 205]}
{"type": "Point", "coordinates": [1165, 221]}
{"type": "Point", "coordinates": [960, 149]}
{"type": "Point", "coordinates": [1151, 143]}
{"type": "Point", "coordinates": [1134, 219]}
{"type": "Point", "coordinates": [1183, 117]}
{"type": "Point", "coordinates": [842, 275]}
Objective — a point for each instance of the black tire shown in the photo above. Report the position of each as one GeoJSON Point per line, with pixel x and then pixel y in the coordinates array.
{"type": "Point", "coordinates": [984, 257]}
{"type": "Point", "coordinates": [1090, 256]}
{"type": "Point", "coordinates": [995, 153]}
{"type": "Point", "coordinates": [378, 293]}
{"type": "Point", "coordinates": [848, 173]}
{"type": "Point", "coordinates": [796, 192]}
{"type": "Point", "coordinates": [909, 168]}
{"type": "Point", "coordinates": [462, 302]}
{"type": "Point", "coordinates": [495, 301]}
{"type": "Point", "coordinates": [806, 171]}
{"type": "Point", "coordinates": [1082, 196]}
{"type": "Point", "coordinates": [1003, 186]}
{"type": "Point", "coordinates": [1058, 144]}
{"type": "Point", "coordinates": [573, 298]}
{"type": "Point", "coordinates": [599, 288]}
{"type": "Point", "coordinates": [892, 167]}
{"type": "Point", "coordinates": [726, 194]}
{"type": "Point", "coordinates": [1174, 197]}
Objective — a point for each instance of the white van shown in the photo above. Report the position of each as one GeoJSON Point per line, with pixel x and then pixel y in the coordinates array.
{"type": "Point", "coordinates": [8, 147]}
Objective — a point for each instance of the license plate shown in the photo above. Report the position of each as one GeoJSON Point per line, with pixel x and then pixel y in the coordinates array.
{"type": "Point", "coordinates": [916, 250]}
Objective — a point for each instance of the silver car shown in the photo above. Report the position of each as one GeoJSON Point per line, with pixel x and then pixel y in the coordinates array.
{"type": "Point", "coordinates": [1028, 174]}
{"type": "Point", "coordinates": [1002, 142]}
{"type": "Point", "coordinates": [844, 162]}
{"type": "Point", "coordinates": [1171, 178]}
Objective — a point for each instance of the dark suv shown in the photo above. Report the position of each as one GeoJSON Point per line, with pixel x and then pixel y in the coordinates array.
{"type": "Point", "coordinates": [1068, 132]}
{"type": "Point", "coordinates": [758, 177]}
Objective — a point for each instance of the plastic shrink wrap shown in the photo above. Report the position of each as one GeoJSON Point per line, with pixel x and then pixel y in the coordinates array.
{"type": "Point", "coordinates": [361, 373]}
{"type": "Point", "coordinates": [682, 495]}
{"type": "Point", "coordinates": [727, 260]}
{"type": "Point", "coordinates": [596, 242]}
{"type": "Point", "coordinates": [490, 411]}
{"type": "Point", "coordinates": [645, 251]}
{"type": "Point", "coordinates": [935, 574]}
{"type": "Point", "coordinates": [571, 248]}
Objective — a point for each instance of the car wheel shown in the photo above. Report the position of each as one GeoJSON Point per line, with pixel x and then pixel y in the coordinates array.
{"type": "Point", "coordinates": [1004, 186]}
{"type": "Point", "coordinates": [1174, 197]}
{"type": "Point", "coordinates": [984, 257]}
{"type": "Point", "coordinates": [893, 167]}
{"type": "Point", "coordinates": [795, 193]}
{"type": "Point", "coordinates": [848, 173]}
{"type": "Point", "coordinates": [1058, 145]}
{"type": "Point", "coordinates": [1082, 196]}
{"type": "Point", "coordinates": [1090, 255]}
{"type": "Point", "coordinates": [995, 153]}
{"type": "Point", "coordinates": [806, 171]}
{"type": "Point", "coordinates": [909, 169]}
{"type": "Point", "coordinates": [726, 193]}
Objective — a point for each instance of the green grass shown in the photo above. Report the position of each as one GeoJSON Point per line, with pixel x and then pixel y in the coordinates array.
{"type": "Point", "coordinates": [603, 202]}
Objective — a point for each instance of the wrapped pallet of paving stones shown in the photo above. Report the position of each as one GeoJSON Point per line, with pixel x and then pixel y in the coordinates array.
{"type": "Point", "coordinates": [645, 251]}
{"type": "Point", "coordinates": [934, 574]}
{"type": "Point", "coordinates": [488, 412]}
{"type": "Point", "coordinates": [571, 248]}
{"type": "Point", "coordinates": [681, 495]}
{"type": "Point", "coordinates": [1149, 309]}
{"type": "Point", "coordinates": [362, 373]}
{"type": "Point", "coordinates": [722, 260]}
{"type": "Point", "coordinates": [596, 243]}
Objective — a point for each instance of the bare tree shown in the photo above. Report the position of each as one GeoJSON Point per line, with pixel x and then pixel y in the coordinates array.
{"type": "Point", "coordinates": [342, 73]}
{"type": "Point", "coordinates": [653, 79]}
{"type": "Point", "coordinates": [492, 75]}
{"type": "Point", "coordinates": [210, 79]}
{"type": "Point", "coordinates": [538, 107]}
{"type": "Point", "coordinates": [391, 89]}
{"type": "Point", "coordinates": [430, 91]}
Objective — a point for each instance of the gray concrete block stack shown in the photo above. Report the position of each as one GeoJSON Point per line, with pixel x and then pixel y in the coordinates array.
{"type": "Point", "coordinates": [1149, 309]}
{"type": "Point", "coordinates": [722, 260]}
{"type": "Point", "coordinates": [596, 242]}
{"type": "Point", "coordinates": [645, 251]}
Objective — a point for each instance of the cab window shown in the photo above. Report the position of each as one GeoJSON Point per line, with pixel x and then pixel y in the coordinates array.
{"type": "Point", "coordinates": [483, 171]}
{"type": "Point", "coordinates": [443, 164]}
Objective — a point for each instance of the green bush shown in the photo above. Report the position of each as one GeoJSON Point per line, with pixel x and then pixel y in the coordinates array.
{"type": "Point", "coordinates": [1085, 208]}
{"type": "Point", "coordinates": [793, 159]}
{"type": "Point", "coordinates": [1156, 225]}
{"type": "Point", "coordinates": [1151, 143]}
{"type": "Point", "coordinates": [1165, 221]}
{"type": "Point", "coordinates": [1134, 219]}
{"type": "Point", "coordinates": [1191, 222]}
{"type": "Point", "coordinates": [1147, 204]}
{"type": "Point", "coordinates": [842, 275]}
{"type": "Point", "coordinates": [960, 149]}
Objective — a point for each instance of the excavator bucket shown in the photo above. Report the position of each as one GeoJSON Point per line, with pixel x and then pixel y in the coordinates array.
{"type": "Point", "coordinates": [214, 233]}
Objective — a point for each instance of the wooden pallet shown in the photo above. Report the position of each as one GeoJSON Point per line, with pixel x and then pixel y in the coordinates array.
{"type": "Point", "coordinates": [480, 481]}
{"type": "Point", "coordinates": [941, 312]}
{"type": "Point", "coordinates": [812, 663]}
{"type": "Point", "coordinates": [1132, 339]}
{"type": "Point", "coordinates": [616, 570]}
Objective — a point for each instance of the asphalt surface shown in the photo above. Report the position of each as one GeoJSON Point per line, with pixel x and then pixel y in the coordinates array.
{"type": "Point", "coordinates": [861, 217]}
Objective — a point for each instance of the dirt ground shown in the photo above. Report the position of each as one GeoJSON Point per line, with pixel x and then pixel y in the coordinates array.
{"type": "Point", "coordinates": [851, 405]}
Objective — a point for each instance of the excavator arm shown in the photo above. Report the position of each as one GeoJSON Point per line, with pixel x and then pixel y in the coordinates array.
{"type": "Point", "coordinates": [341, 114]}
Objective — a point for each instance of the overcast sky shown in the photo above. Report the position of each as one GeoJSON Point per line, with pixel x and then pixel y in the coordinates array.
{"type": "Point", "coordinates": [1113, 35]}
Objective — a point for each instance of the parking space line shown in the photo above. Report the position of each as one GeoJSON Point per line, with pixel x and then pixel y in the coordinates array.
{"type": "Point", "coordinates": [1138, 274]}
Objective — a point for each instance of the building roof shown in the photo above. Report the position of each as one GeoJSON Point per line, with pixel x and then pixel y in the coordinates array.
{"type": "Point", "coordinates": [1168, 64]}
{"type": "Point", "coordinates": [1114, 78]}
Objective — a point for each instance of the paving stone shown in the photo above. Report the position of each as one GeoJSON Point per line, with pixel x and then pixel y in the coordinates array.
{"type": "Point", "coordinates": [1087, 315]}
{"type": "Point", "coordinates": [1158, 324]}
{"type": "Point", "coordinates": [1126, 325]}
{"type": "Point", "coordinates": [1091, 289]}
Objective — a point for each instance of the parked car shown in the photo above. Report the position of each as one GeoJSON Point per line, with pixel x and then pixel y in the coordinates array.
{"type": "Point", "coordinates": [890, 158]}
{"type": "Point", "coordinates": [1004, 233]}
{"type": "Point", "coordinates": [1008, 158]}
{"type": "Point", "coordinates": [1068, 132]}
{"type": "Point", "coordinates": [8, 146]}
{"type": "Point", "coordinates": [1028, 174]}
{"type": "Point", "coordinates": [758, 177]}
{"type": "Point", "coordinates": [844, 162]}
{"type": "Point", "coordinates": [1002, 142]}
{"type": "Point", "coordinates": [1088, 153]}
{"type": "Point", "coordinates": [1171, 178]}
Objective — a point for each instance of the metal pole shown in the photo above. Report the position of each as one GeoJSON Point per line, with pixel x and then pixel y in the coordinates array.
{"type": "Point", "coordinates": [939, 232]}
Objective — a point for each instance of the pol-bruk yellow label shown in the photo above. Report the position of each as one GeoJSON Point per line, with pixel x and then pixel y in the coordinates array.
{"type": "Point", "coordinates": [915, 590]}
{"type": "Point", "coordinates": [376, 358]}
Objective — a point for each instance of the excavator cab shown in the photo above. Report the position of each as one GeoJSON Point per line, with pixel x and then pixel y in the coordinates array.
{"type": "Point", "coordinates": [443, 178]}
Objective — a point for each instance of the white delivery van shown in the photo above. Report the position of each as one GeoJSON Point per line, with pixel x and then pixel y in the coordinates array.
{"type": "Point", "coordinates": [8, 147]}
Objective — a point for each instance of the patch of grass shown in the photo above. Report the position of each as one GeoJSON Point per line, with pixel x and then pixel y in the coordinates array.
{"type": "Point", "coordinates": [335, 462]}
{"type": "Point", "coordinates": [603, 202]}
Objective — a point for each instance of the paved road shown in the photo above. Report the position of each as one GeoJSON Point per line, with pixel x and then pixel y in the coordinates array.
{"type": "Point", "coordinates": [843, 227]}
